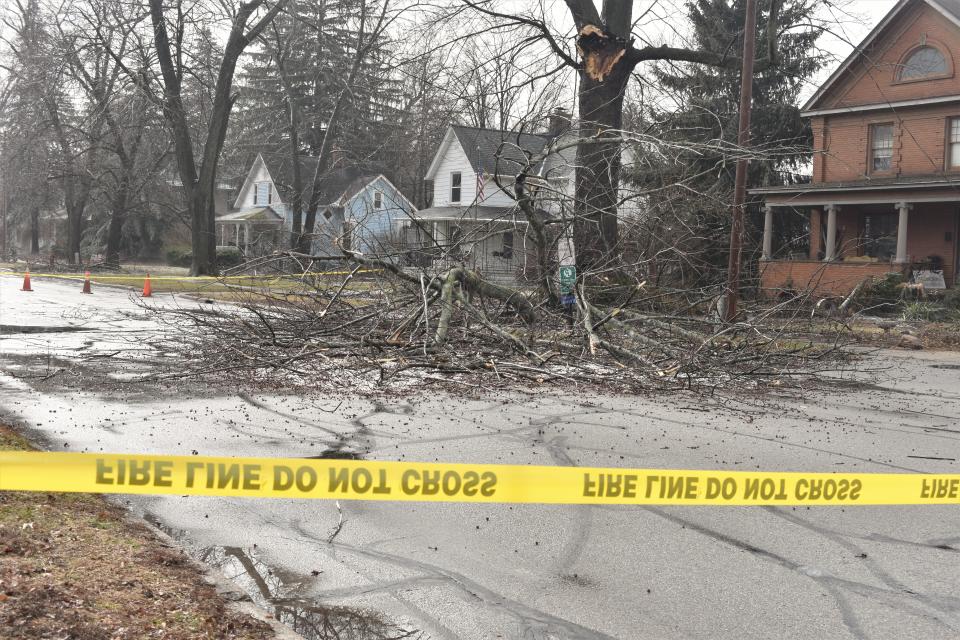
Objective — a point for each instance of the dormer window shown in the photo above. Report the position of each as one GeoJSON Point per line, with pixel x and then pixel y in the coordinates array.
{"type": "Point", "coordinates": [923, 62]}
{"type": "Point", "coordinates": [262, 194]}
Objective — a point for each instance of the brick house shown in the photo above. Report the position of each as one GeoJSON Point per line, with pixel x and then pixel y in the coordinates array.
{"type": "Point", "coordinates": [885, 190]}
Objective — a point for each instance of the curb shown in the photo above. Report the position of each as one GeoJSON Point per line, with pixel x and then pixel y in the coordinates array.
{"type": "Point", "coordinates": [234, 598]}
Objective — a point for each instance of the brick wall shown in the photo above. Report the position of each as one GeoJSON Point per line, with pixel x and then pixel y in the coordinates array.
{"type": "Point", "coordinates": [873, 79]}
{"type": "Point", "coordinates": [818, 278]}
{"type": "Point", "coordinates": [919, 139]}
{"type": "Point", "coordinates": [927, 230]}
{"type": "Point", "coordinates": [842, 141]}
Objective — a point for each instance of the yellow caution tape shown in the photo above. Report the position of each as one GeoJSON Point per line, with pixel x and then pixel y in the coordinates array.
{"type": "Point", "coordinates": [211, 279]}
{"type": "Point", "coordinates": [432, 482]}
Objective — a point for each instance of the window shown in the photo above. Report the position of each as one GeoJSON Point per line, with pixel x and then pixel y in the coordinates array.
{"type": "Point", "coordinates": [262, 193]}
{"type": "Point", "coordinates": [378, 200]}
{"type": "Point", "coordinates": [880, 235]}
{"type": "Point", "coordinates": [953, 144]}
{"type": "Point", "coordinates": [881, 147]}
{"type": "Point", "coordinates": [456, 180]}
{"type": "Point", "coordinates": [924, 62]}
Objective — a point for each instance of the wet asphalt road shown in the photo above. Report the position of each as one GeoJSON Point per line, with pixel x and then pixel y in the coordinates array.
{"type": "Point", "coordinates": [500, 571]}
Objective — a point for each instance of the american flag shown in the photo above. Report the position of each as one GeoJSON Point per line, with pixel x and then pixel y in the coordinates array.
{"type": "Point", "coordinates": [479, 184]}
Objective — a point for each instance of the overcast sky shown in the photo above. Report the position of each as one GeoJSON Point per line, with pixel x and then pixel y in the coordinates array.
{"type": "Point", "coordinates": [853, 22]}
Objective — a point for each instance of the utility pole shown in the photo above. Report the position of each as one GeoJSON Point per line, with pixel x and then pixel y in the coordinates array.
{"type": "Point", "coordinates": [743, 140]}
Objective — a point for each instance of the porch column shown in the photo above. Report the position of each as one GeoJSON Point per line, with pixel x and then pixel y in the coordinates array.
{"type": "Point", "coordinates": [767, 232]}
{"type": "Point", "coordinates": [236, 228]}
{"type": "Point", "coordinates": [904, 209]}
{"type": "Point", "coordinates": [246, 239]}
{"type": "Point", "coordinates": [816, 237]}
{"type": "Point", "coordinates": [830, 253]}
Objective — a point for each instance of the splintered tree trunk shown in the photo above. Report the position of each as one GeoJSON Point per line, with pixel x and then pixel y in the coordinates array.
{"type": "Point", "coordinates": [595, 232]}
{"type": "Point", "coordinates": [602, 43]}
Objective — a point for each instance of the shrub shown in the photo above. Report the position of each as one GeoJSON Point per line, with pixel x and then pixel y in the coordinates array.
{"type": "Point", "coordinates": [926, 311]}
{"type": "Point", "coordinates": [229, 257]}
{"type": "Point", "coordinates": [226, 258]}
{"type": "Point", "coordinates": [951, 299]}
{"type": "Point", "coordinates": [179, 257]}
{"type": "Point", "coordinates": [882, 294]}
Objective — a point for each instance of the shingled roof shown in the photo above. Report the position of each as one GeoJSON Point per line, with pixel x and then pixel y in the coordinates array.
{"type": "Point", "coordinates": [948, 6]}
{"type": "Point", "coordinates": [483, 146]}
{"type": "Point", "coordinates": [336, 186]}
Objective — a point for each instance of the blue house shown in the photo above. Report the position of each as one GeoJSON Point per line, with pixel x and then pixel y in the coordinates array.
{"type": "Point", "coordinates": [360, 211]}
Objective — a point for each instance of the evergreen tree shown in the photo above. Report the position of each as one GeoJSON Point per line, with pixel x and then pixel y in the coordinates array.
{"type": "Point", "coordinates": [702, 110]}
{"type": "Point", "coordinates": [310, 49]}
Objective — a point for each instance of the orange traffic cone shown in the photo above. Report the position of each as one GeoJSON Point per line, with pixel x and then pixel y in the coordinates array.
{"type": "Point", "coordinates": [147, 289]}
{"type": "Point", "coordinates": [86, 283]}
{"type": "Point", "coordinates": [26, 281]}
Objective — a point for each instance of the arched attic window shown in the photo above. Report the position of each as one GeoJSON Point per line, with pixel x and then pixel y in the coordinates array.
{"type": "Point", "coordinates": [923, 62]}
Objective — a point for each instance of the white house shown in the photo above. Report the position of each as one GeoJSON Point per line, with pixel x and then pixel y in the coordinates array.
{"type": "Point", "coordinates": [359, 210]}
{"type": "Point", "coordinates": [473, 221]}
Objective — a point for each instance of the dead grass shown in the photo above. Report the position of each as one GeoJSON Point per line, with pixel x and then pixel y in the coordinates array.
{"type": "Point", "coordinates": [72, 567]}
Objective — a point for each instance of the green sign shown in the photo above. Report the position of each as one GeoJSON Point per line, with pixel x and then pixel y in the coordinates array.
{"type": "Point", "coordinates": [568, 277]}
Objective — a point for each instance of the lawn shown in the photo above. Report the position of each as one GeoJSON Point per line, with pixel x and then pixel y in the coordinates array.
{"type": "Point", "coordinates": [71, 566]}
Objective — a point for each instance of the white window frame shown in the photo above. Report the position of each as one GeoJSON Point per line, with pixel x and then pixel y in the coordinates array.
{"type": "Point", "coordinates": [256, 192]}
{"type": "Point", "coordinates": [881, 151]}
{"type": "Point", "coordinates": [953, 143]}
{"type": "Point", "coordinates": [378, 200]}
{"type": "Point", "coordinates": [456, 177]}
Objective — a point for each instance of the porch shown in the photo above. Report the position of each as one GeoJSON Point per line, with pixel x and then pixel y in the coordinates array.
{"type": "Point", "coordinates": [254, 232]}
{"type": "Point", "coordinates": [493, 244]}
{"type": "Point", "coordinates": [858, 235]}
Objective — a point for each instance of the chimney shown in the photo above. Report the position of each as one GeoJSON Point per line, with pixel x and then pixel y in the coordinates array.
{"type": "Point", "coordinates": [558, 121]}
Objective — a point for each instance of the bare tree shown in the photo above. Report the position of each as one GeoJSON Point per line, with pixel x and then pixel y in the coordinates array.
{"type": "Point", "coordinates": [606, 54]}
{"type": "Point", "coordinates": [197, 162]}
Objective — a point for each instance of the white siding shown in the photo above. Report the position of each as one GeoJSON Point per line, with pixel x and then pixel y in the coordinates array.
{"type": "Point", "coordinates": [258, 173]}
{"type": "Point", "coordinates": [456, 160]}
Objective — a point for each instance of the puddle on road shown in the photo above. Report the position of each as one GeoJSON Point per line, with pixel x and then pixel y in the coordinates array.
{"type": "Point", "coordinates": [10, 329]}
{"type": "Point", "coordinates": [945, 366]}
{"type": "Point", "coordinates": [278, 591]}
{"type": "Point", "coordinates": [336, 454]}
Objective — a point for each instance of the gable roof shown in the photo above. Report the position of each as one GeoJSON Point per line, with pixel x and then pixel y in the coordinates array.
{"type": "Point", "coordinates": [490, 150]}
{"type": "Point", "coordinates": [494, 149]}
{"type": "Point", "coordinates": [950, 9]}
{"type": "Point", "coordinates": [336, 186]}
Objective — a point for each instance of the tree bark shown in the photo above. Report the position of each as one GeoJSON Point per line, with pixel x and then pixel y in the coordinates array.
{"type": "Point", "coordinates": [199, 185]}
{"type": "Point", "coordinates": [597, 173]}
{"type": "Point", "coordinates": [118, 216]}
{"type": "Point", "coordinates": [35, 231]}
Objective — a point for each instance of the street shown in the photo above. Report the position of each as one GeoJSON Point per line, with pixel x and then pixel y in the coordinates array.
{"type": "Point", "coordinates": [68, 369]}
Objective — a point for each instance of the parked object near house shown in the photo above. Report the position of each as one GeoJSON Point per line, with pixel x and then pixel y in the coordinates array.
{"type": "Point", "coordinates": [358, 211]}
{"type": "Point", "coordinates": [885, 191]}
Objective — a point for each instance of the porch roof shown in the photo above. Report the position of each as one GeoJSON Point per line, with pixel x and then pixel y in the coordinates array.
{"type": "Point", "coordinates": [921, 188]}
{"type": "Point", "coordinates": [259, 215]}
{"type": "Point", "coordinates": [469, 214]}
